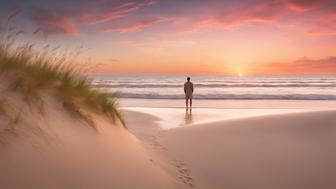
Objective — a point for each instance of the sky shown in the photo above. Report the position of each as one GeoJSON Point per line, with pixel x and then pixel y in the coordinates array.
{"type": "Point", "coordinates": [247, 37]}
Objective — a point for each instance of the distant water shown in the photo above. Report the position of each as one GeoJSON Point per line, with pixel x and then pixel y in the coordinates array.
{"type": "Point", "coordinates": [221, 88]}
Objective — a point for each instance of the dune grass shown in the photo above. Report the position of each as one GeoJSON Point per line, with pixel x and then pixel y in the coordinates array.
{"type": "Point", "coordinates": [31, 71]}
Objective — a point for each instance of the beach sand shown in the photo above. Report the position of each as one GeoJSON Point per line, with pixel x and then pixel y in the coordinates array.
{"type": "Point", "coordinates": [288, 150]}
{"type": "Point", "coordinates": [45, 145]}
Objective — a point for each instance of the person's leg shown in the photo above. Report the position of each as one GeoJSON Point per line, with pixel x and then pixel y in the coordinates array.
{"type": "Point", "coordinates": [186, 103]}
{"type": "Point", "coordinates": [190, 102]}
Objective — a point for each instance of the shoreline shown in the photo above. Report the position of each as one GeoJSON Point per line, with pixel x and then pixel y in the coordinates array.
{"type": "Point", "coordinates": [170, 118]}
{"type": "Point", "coordinates": [230, 104]}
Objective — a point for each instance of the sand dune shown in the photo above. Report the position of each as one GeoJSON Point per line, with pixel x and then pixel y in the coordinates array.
{"type": "Point", "coordinates": [43, 145]}
{"type": "Point", "coordinates": [57, 132]}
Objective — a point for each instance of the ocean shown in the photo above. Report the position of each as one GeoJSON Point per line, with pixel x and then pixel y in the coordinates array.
{"type": "Point", "coordinates": [220, 87]}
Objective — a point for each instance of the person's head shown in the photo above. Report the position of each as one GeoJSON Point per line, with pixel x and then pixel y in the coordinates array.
{"type": "Point", "coordinates": [188, 78]}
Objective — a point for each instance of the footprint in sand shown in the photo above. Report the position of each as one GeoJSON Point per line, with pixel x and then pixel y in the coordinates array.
{"type": "Point", "coordinates": [184, 173]}
{"type": "Point", "coordinates": [156, 144]}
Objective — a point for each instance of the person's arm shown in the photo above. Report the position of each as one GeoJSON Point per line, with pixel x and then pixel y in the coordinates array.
{"type": "Point", "coordinates": [185, 88]}
{"type": "Point", "coordinates": [192, 87]}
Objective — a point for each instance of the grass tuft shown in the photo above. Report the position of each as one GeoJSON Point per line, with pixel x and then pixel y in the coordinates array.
{"type": "Point", "coordinates": [33, 72]}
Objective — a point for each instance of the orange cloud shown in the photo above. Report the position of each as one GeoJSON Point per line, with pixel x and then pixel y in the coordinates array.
{"type": "Point", "coordinates": [322, 31]}
{"type": "Point", "coordinates": [302, 66]}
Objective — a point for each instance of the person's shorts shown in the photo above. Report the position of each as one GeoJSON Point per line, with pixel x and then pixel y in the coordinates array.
{"type": "Point", "coordinates": [188, 95]}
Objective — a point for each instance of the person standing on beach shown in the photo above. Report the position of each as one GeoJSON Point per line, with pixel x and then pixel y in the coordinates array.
{"type": "Point", "coordinates": [188, 91]}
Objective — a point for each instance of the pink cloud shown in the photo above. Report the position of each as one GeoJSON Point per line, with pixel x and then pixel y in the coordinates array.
{"type": "Point", "coordinates": [322, 19]}
{"type": "Point", "coordinates": [62, 21]}
{"type": "Point", "coordinates": [137, 26]}
{"type": "Point", "coordinates": [150, 2]}
{"type": "Point", "coordinates": [101, 16]}
{"type": "Point", "coordinates": [266, 12]}
{"type": "Point", "coordinates": [53, 24]}
{"type": "Point", "coordinates": [321, 15]}
{"type": "Point", "coordinates": [304, 5]}
{"type": "Point", "coordinates": [263, 12]}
